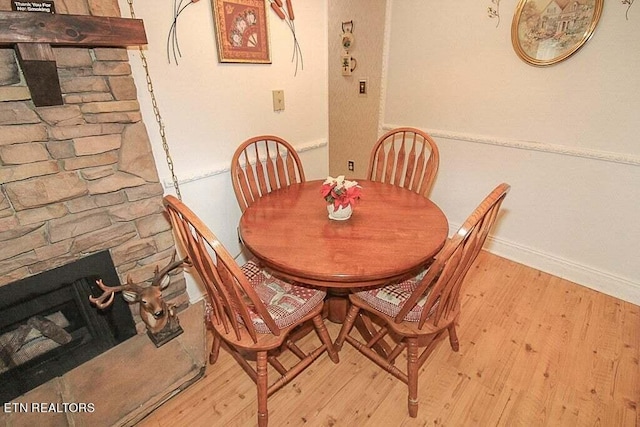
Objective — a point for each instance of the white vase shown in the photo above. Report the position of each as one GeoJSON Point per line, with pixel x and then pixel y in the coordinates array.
{"type": "Point", "coordinates": [341, 213]}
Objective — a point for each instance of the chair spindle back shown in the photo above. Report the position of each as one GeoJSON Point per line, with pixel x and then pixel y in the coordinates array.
{"type": "Point", "coordinates": [227, 287]}
{"type": "Point", "coordinates": [263, 164]}
{"type": "Point", "coordinates": [405, 157]}
{"type": "Point", "coordinates": [445, 275]}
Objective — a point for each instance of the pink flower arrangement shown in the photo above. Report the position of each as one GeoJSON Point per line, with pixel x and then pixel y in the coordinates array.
{"type": "Point", "coordinates": [340, 191]}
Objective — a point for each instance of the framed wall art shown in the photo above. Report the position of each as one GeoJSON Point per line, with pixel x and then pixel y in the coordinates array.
{"type": "Point", "coordinates": [546, 32]}
{"type": "Point", "coordinates": [242, 31]}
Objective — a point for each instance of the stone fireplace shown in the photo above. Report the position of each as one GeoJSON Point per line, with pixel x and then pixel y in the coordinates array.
{"type": "Point", "coordinates": [80, 178]}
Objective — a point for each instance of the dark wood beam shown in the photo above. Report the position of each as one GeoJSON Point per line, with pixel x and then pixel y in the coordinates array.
{"type": "Point", "coordinates": [70, 30]}
{"type": "Point", "coordinates": [39, 68]}
{"type": "Point", "coordinates": [33, 34]}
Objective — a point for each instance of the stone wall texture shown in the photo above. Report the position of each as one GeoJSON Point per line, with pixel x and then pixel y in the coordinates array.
{"type": "Point", "coordinates": [80, 178]}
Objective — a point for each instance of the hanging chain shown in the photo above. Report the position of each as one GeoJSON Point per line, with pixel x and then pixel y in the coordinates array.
{"type": "Point", "coordinates": [156, 112]}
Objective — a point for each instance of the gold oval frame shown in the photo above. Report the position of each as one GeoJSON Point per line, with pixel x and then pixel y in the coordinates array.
{"type": "Point", "coordinates": [563, 31]}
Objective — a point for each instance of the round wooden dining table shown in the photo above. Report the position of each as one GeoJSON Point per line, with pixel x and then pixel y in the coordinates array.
{"type": "Point", "coordinates": [392, 234]}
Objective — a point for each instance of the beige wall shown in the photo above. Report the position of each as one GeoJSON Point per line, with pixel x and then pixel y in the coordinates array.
{"type": "Point", "coordinates": [209, 108]}
{"type": "Point", "coordinates": [353, 118]}
{"type": "Point", "coordinates": [564, 136]}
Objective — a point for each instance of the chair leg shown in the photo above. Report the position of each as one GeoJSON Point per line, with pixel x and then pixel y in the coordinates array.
{"type": "Point", "coordinates": [346, 326]}
{"type": "Point", "coordinates": [215, 348]}
{"type": "Point", "coordinates": [261, 382]}
{"type": "Point", "coordinates": [412, 376]}
{"type": "Point", "coordinates": [453, 337]}
{"type": "Point", "coordinates": [321, 328]}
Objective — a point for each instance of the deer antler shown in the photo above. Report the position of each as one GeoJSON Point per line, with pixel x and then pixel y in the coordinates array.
{"type": "Point", "coordinates": [159, 274]}
{"type": "Point", "coordinates": [105, 300]}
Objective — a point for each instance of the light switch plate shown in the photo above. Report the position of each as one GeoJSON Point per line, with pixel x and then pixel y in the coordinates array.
{"type": "Point", "coordinates": [278, 100]}
{"type": "Point", "coordinates": [362, 87]}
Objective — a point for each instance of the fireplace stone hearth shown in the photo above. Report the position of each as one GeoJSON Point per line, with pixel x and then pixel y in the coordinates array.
{"type": "Point", "coordinates": [119, 387]}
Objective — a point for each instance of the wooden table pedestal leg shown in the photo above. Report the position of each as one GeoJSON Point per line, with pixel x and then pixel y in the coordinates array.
{"type": "Point", "coordinates": [337, 304]}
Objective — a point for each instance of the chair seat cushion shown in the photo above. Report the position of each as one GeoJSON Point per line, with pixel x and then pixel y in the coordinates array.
{"type": "Point", "coordinates": [250, 269]}
{"type": "Point", "coordinates": [286, 302]}
{"type": "Point", "coordinates": [389, 299]}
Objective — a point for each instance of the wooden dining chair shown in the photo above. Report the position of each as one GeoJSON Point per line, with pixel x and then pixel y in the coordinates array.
{"type": "Point", "coordinates": [415, 312]}
{"type": "Point", "coordinates": [262, 164]}
{"type": "Point", "coordinates": [406, 157]}
{"type": "Point", "coordinates": [252, 313]}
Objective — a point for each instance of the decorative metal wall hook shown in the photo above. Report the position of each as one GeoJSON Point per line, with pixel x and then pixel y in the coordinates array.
{"type": "Point", "coordinates": [289, 18]}
{"type": "Point", "coordinates": [172, 38]}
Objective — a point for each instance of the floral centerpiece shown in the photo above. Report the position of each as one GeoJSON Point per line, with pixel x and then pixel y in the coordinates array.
{"type": "Point", "coordinates": [340, 194]}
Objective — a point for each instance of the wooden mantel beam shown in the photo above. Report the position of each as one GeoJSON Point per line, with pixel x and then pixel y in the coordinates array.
{"type": "Point", "coordinates": [70, 30]}
{"type": "Point", "coordinates": [32, 35]}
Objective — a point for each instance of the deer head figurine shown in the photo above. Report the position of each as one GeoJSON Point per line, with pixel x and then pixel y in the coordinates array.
{"type": "Point", "coordinates": [154, 311]}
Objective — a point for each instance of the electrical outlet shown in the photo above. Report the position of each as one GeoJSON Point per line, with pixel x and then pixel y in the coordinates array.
{"type": "Point", "coordinates": [278, 100]}
{"type": "Point", "coordinates": [351, 165]}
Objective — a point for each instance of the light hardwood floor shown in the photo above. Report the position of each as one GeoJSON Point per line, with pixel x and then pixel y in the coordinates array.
{"type": "Point", "coordinates": [534, 350]}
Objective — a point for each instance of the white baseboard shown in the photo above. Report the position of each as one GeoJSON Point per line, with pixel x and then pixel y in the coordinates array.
{"type": "Point", "coordinates": [598, 280]}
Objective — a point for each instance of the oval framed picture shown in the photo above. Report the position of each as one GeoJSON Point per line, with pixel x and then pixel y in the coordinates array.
{"type": "Point", "coordinates": [546, 32]}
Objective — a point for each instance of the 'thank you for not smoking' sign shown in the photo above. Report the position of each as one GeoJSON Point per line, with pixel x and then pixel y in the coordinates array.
{"type": "Point", "coordinates": [33, 6]}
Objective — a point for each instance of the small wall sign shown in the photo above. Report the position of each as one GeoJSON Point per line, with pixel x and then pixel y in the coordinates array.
{"type": "Point", "coordinates": [33, 6]}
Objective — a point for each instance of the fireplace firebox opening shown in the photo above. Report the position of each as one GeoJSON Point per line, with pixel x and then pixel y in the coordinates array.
{"type": "Point", "coordinates": [48, 326]}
